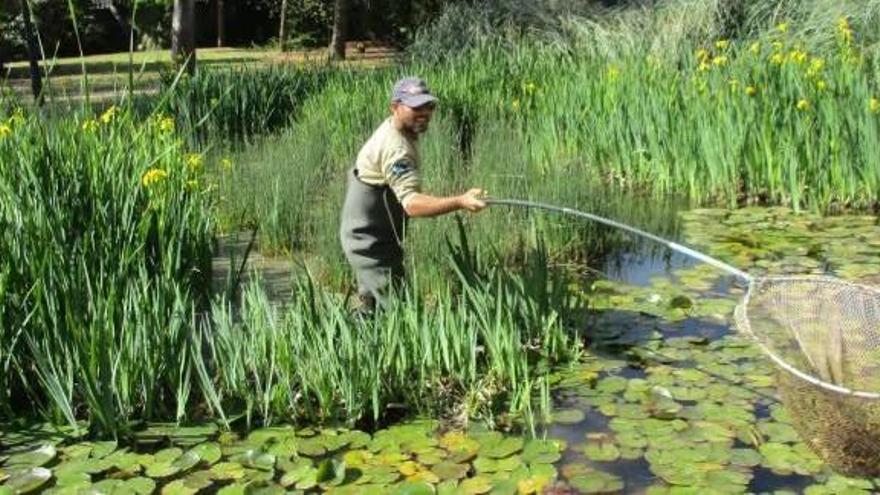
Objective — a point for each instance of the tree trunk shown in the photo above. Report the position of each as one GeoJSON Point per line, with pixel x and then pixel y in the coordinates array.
{"type": "Point", "coordinates": [183, 39]}
{"type": "Point", "coordinates": [221, 24]}
{"type": "Point", "coordinates": [114, 10]}
{"type": "Point", "coordinates": [340, 21]}
{"type": "Point", "coordinates": [33, 52]}
{"type": "Point", "coordinates": [282, 26]}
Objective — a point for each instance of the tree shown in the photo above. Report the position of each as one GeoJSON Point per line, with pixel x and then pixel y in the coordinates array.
{"type": "Point", "coordinates": [183, 31]}
{"type": "Point", "coordinates": [33, 52]}
{"type": "Point", "coordinates": [221, 23]}
{"type": "Point", "coordinates": [282, 26]}
{"type": "Point", "coordinates": [340, 23]}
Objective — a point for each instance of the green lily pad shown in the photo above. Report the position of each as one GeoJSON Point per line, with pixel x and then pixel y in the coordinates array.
{"type": "Point", "coordinates": [296, 472]}
{"type": "Point", "coordinates": [504, 448]}
{"type": "Point", "coordinates": [450, 470]}
{"type": "Point", "coordinates": [103, 449]}
{"type": "Point", "coordinates": [28, 480]}
{"type": "Point", "coordinates": [168, 455]}
{"type": "Point", "coordinates": [141, 485]}
{"type": "Point", "coordinates": [601, 450]}
{"type": "Point", "coordinates": [163, 469]}
{"type": "Point", "coordinates": [568, 416]}
{"type": "Point", "coordinates": [596, 482]}
{"type": "Point", "coordinates": [233, 489]}
{"type": "Point", "coordinates": [541, 452]}
{"type": "Point", "coordinates": [255, 459]}
{"type": "Point", "coordinates": [414, 488]}
{"type": "Point", "coordinates": [476, 485]}
{"type": "Point", "coordinates": [745, 457]}
{"type": "Point", "coordinates": [178, 487]}
{"type": "Point", "coordinates": [330, 472]}
{"type": "Point", "coordinates": [209, 452]}
{"type": "Point", "coordinates": [186, 461]}
{"type": "Point", "coordinates": [227, 471]}
{"type": "Point", "coordinates": [33, 458]}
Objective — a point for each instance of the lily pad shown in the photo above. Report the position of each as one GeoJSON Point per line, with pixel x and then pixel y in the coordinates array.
{"type": "Point", "coordinates": [568, 416]}
{"type": "Point", "coordinates": [596, 482]}
{"type": "Point", "coordinates": [541, 452]}
{"type": "Point", "coordinates": [34, 458]}
{"type": "Point", "coordinates": [476, 485]}
{"type": "Point", "coordinates": [450, 470]}
{"type": "Point", "coordinates": [208, 452]}
{"type": "Point", "coordinates": [227, 471]}
{"type": "Point", "coordinates": [28, 480]}
{"type": "Point", "coordinates": [504, 448]}
{"type": "Point", "coordinates": [141, 485]}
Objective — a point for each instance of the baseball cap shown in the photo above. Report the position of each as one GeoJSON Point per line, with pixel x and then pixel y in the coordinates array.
{"type": "Point", "coordinates": [412, 92]}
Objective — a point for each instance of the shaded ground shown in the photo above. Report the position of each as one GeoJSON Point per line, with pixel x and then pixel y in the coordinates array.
{"type": "Point", "coordinates": [274, 273]}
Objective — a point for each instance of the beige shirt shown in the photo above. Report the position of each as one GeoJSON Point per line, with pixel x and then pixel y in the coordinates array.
{"type": "Point", "coordinates": [390, 158]}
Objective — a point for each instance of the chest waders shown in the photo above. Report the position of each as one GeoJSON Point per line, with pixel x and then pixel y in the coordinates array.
{"type": "Point", "coordinates": [371, 232]}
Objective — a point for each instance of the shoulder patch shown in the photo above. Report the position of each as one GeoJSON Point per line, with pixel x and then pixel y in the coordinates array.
{"type": "Point", "coordinates": [401, 167]}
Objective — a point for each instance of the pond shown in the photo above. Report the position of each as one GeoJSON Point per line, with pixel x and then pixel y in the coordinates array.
{"type": "Point", "coordinates": [668, 399]}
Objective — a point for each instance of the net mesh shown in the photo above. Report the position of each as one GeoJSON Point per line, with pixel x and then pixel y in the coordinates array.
{"type": "Point", "coordinates": [825, 332]}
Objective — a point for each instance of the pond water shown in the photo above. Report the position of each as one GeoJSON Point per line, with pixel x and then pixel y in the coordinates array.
{"type": "Point", "coordinates": [668, 399]}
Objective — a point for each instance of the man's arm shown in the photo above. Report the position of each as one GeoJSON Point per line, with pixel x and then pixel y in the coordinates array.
{"type": "Point", "coordinates": [425, 205]}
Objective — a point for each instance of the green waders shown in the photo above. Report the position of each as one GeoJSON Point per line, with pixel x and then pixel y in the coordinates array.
{"type": "Point", "coordinates": [371, 231]}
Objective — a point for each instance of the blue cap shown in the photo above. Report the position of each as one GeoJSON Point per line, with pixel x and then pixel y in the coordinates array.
{"type": "Point", "coordinates": [412, 92]}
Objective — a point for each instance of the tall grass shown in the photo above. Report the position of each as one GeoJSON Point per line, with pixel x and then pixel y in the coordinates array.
{"type": "Point", "coordinates": [646, 101]}
{"type": "Point", "coordinates": [468, 350]}
{"type": "Point", "coordinates": [105, 237]}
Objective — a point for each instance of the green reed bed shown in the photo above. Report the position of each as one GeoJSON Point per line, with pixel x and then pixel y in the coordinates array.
{"type": "Point", "coordinates": [478, 348]}
{"type": "Point", "coordinates": [105, 235]}
{"type": "Point", "coordinates": [652, 102]}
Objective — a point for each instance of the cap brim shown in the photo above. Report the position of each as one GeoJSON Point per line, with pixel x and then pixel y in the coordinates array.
{"type": "Point", "coordinates": [417, 100]}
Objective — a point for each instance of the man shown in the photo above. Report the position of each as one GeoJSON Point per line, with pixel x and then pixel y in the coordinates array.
{"type": "Point", "coordinates": [385, 189]}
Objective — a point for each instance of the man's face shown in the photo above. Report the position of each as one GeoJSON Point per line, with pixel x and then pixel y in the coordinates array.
{"type": "Point", "coordinates": [413, 120]}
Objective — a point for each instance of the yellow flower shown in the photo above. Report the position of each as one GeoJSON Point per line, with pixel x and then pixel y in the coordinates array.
{"type": "Point", "coordinates": [613, 73]}
{"type": "Point", "coordinates": [782, 27]}
{"type": "Point", "coordinates": [530, 87]}
{"type": "Point", "coordinates": [166, 125]}
{"type": "Point", "coordinates": [153, 176]}
{"type": "Point", "coordinates": [226, 163]}
{"type": "Point", "coordinates": [5, 130]}
{"type": "Point", "coordinates": [108, 115]}
{"type": "Point", "coordinates": [777, 58]}
{"type": "Point", "coordinates": [90, 125]}
{"type": "Point", "coordinates": [845, 30]}
{"type": "Point", "coordinates": [515, 104]}
{"type": "Point", "coordinates": [803, 105]}
{"type": "Point", "coordinates": [874, 105]}
{"type": "Point", "coordinates": [722, 44]}
{"type": "Point", "coordinates": [755, 47]}
{"type": "Point", "coordinates": [816, 66]}
{"type": "Point", "coordinates": [751, 90]}
{"type": "Point", "coordinates": [821, 85]}
{"type": "Point", "coordinates": [720, 60]}
{"type": "Point", "coordinates": [703, 67]}
{"type": "Point", "coordinates": [193, 161]}
{"type": "Point", "coordinates": [798, 56]}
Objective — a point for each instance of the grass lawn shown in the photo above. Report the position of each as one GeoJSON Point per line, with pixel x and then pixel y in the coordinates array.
{"type": "Point", "coordinates": [108, 73]}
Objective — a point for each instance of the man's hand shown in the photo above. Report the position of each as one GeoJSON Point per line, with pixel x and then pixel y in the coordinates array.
{"type": "Point", "coordinates": [471, 200]}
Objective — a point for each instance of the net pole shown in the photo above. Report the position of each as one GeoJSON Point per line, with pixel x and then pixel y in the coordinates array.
{"type": "Point", "coordinates": [612, 223]}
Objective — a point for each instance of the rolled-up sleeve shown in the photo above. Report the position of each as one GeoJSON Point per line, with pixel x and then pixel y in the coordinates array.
{"type": "Point", "coordinates": [402, 174]}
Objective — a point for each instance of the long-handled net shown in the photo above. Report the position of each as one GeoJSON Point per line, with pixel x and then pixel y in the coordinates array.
{"type": "Point", "coordinates": [823, 333]}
